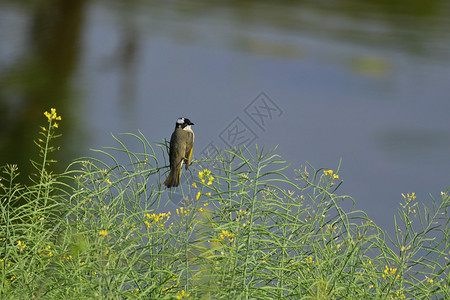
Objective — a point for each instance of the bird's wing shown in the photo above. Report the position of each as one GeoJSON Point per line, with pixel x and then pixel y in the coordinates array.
{"type": "Point", "coordinates": [189, 148]}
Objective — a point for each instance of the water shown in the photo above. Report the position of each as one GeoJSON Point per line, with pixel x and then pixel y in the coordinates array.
{"type": "Point", "coordinates": [367, 82]}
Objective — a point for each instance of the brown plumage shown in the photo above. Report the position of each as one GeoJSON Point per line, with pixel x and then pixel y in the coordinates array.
{"type": "Point", "coordinates": [180, 151]}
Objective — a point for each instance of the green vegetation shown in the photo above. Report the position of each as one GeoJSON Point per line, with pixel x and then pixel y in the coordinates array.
{"type": "Point", "coordinates": [243, 231]}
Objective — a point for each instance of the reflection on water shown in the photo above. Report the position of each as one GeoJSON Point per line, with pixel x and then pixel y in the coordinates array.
{"type": "Point", "coordinates": [39, 75]}
{"type": "Point", "coordinates": [115, 66]}
{"type": "Point", "coordinates": [415, 143]}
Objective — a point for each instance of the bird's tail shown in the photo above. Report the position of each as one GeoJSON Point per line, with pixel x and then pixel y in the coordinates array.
{"type": "Point", "coordinates": [174, 177]}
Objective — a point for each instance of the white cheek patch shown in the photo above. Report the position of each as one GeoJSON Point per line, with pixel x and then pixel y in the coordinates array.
{"type": "Point", "coordinates": [180, 121]}
{"type": "Point", "coordinates": [188, 128]}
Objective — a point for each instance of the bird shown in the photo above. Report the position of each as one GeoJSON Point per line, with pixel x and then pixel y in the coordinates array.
{"type": "Point", "coordinates": [180, 150]}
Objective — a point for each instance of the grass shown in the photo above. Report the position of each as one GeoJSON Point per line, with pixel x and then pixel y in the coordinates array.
{"type": "Point", "coordinates": [243, 230]}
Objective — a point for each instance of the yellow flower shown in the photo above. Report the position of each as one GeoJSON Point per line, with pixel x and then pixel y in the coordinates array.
{"type": "Point", "coordinates": [182, 295]}
{"type": "Point", "coordinates": [52, 115]}
{"type": "Point", "coordinates": [405, 248]}
{"type": "Point", "coordinates": [205, 173]}
{"type": "Point", "coordinates": [21, 245]}
{"type": "Point", "coordinates": [55, 125]}
{"type": "Point", "coordinates": [409, 197]}
{"type": "Point", "coordinates": [103, 233]}
{"type": "Point", "coordinates": [198, 196]}
{"type": "Point", "coordinates": [390, 271]}
{"type": "Point", "coordinates": [226, 234]}
{"type": "Point", "coordinates": [328, 172]}
{"type": "Point", "coordinates": [194, 185]}
{"type": "Point", "coordinates": [158, 218]}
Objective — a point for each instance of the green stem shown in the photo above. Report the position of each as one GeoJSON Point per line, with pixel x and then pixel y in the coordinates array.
{"type": "Point", "coordinates": [249, 239]}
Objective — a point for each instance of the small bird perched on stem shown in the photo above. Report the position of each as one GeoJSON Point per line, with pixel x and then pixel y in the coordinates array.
{"type": "Point", "coordinates": [181, 145]}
